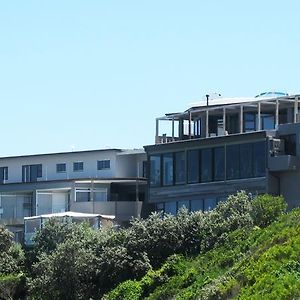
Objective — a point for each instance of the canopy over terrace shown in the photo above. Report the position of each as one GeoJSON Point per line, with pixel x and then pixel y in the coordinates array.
{"type": "Point", "coordinates": [229, 116]}
{"type": "Point", "coordinates": [35, 223]}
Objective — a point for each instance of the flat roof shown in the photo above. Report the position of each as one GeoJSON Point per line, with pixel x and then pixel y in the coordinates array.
{"type": "Point", "coordinates": [121, 151]}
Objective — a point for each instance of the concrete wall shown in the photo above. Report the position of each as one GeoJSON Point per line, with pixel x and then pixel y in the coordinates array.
{"type": "Point", "coordinates": [120, 166]}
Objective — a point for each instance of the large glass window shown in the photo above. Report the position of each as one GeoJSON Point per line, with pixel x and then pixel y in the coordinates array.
{"type": "Point", "coordinates": [179, 167]}
{"type": "Point", "coordinates": [206, 165]}
{"type": "Point", "coordinates": [259, 159]}
{"type": "Point", "coordinates": [249, 122]}
{"type": "Point", "coordinates": [100, 195]}
{"type": "Point", "coordinates": [171, 208]}
{"type": "Point", "coordinates": [168, 169]}
{"type": "Point", "coordinates": [197, 205]}
{"type": "Point", "coordinates": [83, 195]}
{"type": "Point", "coordinates": [209, 204]}
{"type": "Point", "coordinates": [30, 173]}
{"type": "Point", "coordinates": [155, 170]}
{"type": "Point", "coordinates": [183, 204]}
{"type": "Point", "coordinates": [159, 207]}
{"type": "Point", "coordinates": [219, 163]}
{"type": "Point", "coordinates": [246, 160]}
{"type": "Point", "coordinates": [267, 121]}
{"type": "Point", "coordinates": [193, 166]}
{"type": "Point", "coordinates": [232, 162]}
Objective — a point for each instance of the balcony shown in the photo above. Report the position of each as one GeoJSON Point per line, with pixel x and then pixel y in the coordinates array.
{"type": "Point", "coordinates": [282, 163]}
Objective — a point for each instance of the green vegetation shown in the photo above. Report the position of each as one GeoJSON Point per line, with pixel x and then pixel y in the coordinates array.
{"type": "Point", "coordinates": [229, 252]}
{"type": "Point", "coordinates": [252, 263]}
{"type": "Point", "coordinates": [12, 279]}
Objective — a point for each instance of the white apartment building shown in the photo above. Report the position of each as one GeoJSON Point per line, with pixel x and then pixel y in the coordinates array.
{"type": "Point", "coordinates": [107, 181]}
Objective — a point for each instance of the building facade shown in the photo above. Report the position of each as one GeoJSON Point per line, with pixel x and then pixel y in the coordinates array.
{"type": "Point", "coordinates": [108, 182]}
{"type": "Point", "coordinates": [223, 145]}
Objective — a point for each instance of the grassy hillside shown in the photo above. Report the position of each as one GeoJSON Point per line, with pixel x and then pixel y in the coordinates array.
{"type": "Point", "coordinates": [250, 263]}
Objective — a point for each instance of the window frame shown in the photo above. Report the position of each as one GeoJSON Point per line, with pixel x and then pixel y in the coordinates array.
{"type": "Point", "coordinates": [103, 162]}
{"type": "Point", "coordinates": [77, 163]}
{"type": "Point", "coordinates": [61, 164]}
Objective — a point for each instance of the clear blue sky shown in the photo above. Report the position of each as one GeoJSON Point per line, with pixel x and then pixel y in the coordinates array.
{"type": "Point", "coordinates": [92, 74]}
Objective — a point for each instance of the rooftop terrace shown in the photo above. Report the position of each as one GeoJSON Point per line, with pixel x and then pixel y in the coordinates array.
{"type": "Point", "coordinates": [224, 116]}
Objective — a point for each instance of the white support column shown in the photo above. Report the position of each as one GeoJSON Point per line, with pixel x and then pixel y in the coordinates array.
{"type": "Point", "coordinates": [258, 116]}
{"type": "Point", "coordinates": [277, 114]}
{"type": "Point", "coordinates": [295, 109]}
{"type": "Point", "coordinates": [224, 121]}
{"type": "Point", "coordinates": [173, 129]}
{"type": "Point", "coordinates": [190, 125]}
{"type": "Point", "coordinates": [241, 118]}
{"type": "Point", "coordinates": [157, 131]}
{"type": "Point", "coordinates": [207, 124]}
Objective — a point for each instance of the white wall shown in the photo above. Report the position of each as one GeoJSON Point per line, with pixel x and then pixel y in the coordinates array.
{"type": "Point", "coordinates": [49, 162]}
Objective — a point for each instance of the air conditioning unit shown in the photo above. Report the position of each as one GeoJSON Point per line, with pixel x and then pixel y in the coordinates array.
{"type": "Point", "coordinates": [276, 147]}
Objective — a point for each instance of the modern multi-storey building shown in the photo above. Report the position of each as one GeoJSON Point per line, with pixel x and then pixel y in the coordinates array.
{"type": "Point", "coordinates": [108, 182]}
{"type": "Point", "coordinates": [222, 145]}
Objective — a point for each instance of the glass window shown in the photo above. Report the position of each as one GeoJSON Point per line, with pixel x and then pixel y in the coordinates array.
{"type": "Point", "coordinates": [168, 169]}
{"type": "Point", "coordinates": [206, 165]}
{"type": "Point", "coordinates": [249, 122]}
{"type": "Point", "coordinates": [155, 170]}
{"type": "Point", "coordinates": [159, 207]}
{"type": "Point", "coordinates": [246, 160]}
{"type": "Point", "coordinates": [193, 166]}
{"type": "Point", "coordinates": [197, 205]}
{"type": "Point", "coordinates": [3, 174]}
{"type": "Point", "coordinates": [219, 163]}
{"type": "Point", "coordinates": [171, 208]}
{"type": "Point", "coordinates": [78, 166]}
{"type": "Point", "coordinates": [61, 168]}
{"type": "Point", "coordinates": [259, 159]}
{"type": "Point", "coordinates": [100, 195]}
{"type": "Point", "coordinates": [30, 173]}
{"type": "Point", "coordinates": [103, 164]}
{"type": "Point", "coordinates": [289, 143]}
{"type": "Point", "coordinates": [183, 203]}
{"type": "Point", "coordinates": [83, 195]}
{"type": "Point", "coordinates": [180, 168]}
{"type": "Point", "coordinates": [209, 204]}
{"type": "Point", "coordinates": [267, 121]}
{"type": "Point", "coordinates": [233, 162]}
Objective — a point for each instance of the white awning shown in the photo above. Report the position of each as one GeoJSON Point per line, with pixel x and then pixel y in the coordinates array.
{"type": "Point", "coordinates": [71, 214]}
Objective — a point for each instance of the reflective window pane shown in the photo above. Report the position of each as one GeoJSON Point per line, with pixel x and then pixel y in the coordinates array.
{"type": "Point", "coordinates": [180, 168]}
{"type": "Point", "coordinates": [259, 159]}
{"type": "Point", "coordinates": [232, 162]}
{"type": "Point", "coordinates": [183, 204]}
{"type": "Point", "coordinates": [246, 160]}
{"type": "Point", "coordinates": [168, 169]}
{"type": "Point", "coordinates": [171, 208]}
{"type": "Point", "coordinates": [155, 170]}
{"type": "Point", "coordinates": [219, 164]}
{"type": "Point", "coordinates": [197, 205]}
{"type": "Point", "coordinates": [206, 165]}
{"type": "Point", "coordinates": [209, 204]}
{"type": "Point", "coordinates": [193, 166]}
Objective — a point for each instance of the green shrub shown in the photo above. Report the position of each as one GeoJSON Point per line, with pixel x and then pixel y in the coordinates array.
{"type": "Point", "coordinates": [128, 290]}
{"type": "Point", "coordinates": [11, 284]}
{"type": "Point", "coordinates": [267, 208]}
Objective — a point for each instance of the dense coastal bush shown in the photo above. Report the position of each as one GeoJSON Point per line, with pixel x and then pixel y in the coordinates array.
{"type": "Point", "coordinates": [251, 263]}
{"type": "Point", "coordinates": [75, 262]}
{"type": "Point", "coordinates": [12, 279]}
